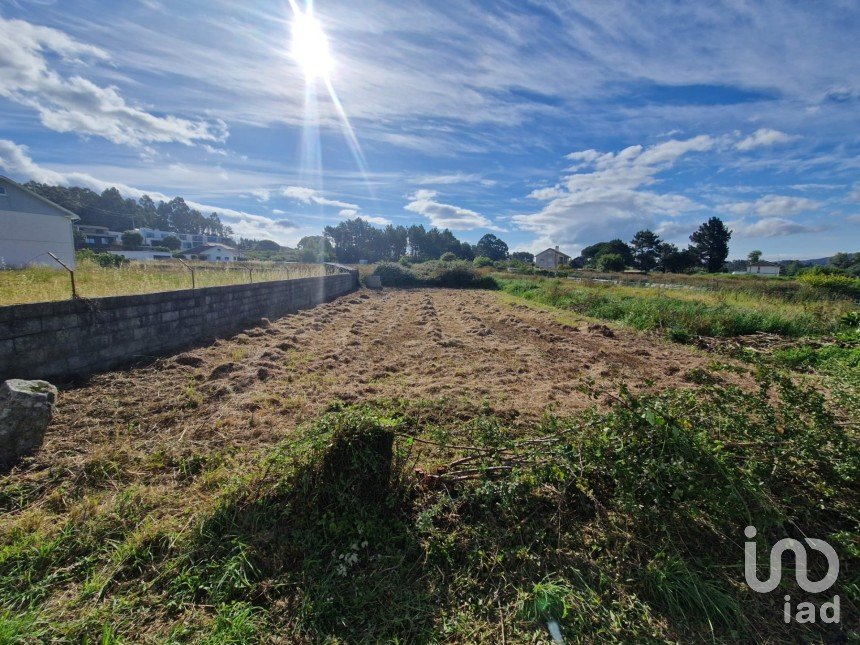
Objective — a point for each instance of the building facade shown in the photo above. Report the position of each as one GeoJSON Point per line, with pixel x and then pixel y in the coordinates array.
{"type": "Point", "coordinates": [98, 237]}
{"type": "Point", "coordinates": [551, 259]}
{"type": "Point", "coordinates": [32, 227]}
{"type": "Point", "coordinates": [154, 237]}
{"type": "Point", "coordinates": [213, 253]}
{"type": "Point", "coordinates": [764, 268]}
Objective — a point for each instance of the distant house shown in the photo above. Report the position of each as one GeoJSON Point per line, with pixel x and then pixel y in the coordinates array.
{"type": "Point", "coordinates": [98, 237]}
{"type": "Point", "coordinates": [31, 227]}
{"type": "Point", "coordinates": [764, 268]}
{"type": "Point", "coordinates": [551, 259]}
{"type": "Point", "coordinates": [213, 253]}
{"type": "Point", "coordinates": [188, 241]}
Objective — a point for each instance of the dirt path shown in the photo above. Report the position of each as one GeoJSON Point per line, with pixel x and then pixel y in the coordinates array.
{"type": "Point", "coordinates": [254, 388]}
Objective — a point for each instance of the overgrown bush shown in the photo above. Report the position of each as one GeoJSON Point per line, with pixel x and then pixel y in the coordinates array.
{"type": "Point", "coordinates": [448, 257]}
{"type": "Point", "coordinates": [107, 260]}
{"type": "Point", "coordinates": [434, 273]}
{"type": "Point", "coordinates": [831, 282]}
{"type": "Point", "coordinates": [482, 261]}
{"type": "Point", "coordinates": [395, 275]}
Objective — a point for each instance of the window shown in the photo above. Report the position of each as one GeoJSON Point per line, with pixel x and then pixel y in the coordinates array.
{"type": "Point", "coordinates": [2, 191]}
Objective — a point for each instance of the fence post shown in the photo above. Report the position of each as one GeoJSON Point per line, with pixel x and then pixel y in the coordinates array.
{"type": "Point", "coordinates": [71, 274]}
{"type": "Point", "coordinates": [193, 281]}
{"type": "Point", "coordinates": [250, 272]}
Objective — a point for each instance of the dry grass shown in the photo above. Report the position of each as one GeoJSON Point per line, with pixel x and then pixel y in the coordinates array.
{"type": "Point", "coordinates": [43, 284]}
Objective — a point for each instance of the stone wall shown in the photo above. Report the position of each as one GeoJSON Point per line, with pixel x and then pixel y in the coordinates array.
{"type": "Point", "coordinates": [66, 339]}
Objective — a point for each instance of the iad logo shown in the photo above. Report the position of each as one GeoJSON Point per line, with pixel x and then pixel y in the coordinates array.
{"type": "Point", "coordinates": [805, 612]}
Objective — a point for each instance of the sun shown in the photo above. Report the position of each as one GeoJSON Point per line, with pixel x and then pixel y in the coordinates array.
{"type": "Point", "coordinates": [310, 48]}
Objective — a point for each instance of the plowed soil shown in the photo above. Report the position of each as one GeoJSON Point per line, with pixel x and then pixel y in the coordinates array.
{"type": "Point", "coordinates": [256, 387]}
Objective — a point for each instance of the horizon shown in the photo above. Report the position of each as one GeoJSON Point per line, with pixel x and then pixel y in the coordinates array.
{"type": "Point", "coordinates": [548, 124]}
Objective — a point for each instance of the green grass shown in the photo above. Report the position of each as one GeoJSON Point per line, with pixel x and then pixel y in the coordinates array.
{"type": "Point", "coordinates": [41, 284]}
{"type": "Point", "coordinates": [683, 314]}
{"type": "Point", "coordinates": [623, 524]}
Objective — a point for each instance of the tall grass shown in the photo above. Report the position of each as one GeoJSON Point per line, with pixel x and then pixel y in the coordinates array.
{"type": "Point", "coordinates": [41, 284]}
{"type": "Point", "coordinates": [685, 313]}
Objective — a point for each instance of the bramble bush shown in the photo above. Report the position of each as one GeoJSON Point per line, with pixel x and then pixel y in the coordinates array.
{"type": "Point", "coordinates": [434, 273]}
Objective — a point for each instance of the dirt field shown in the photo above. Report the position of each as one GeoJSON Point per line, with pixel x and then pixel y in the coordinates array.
{"type": "Point", "coordinates": [254, 388]}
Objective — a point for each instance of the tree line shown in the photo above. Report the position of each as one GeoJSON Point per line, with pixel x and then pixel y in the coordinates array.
{"type": "Point", "coordinates": [117, 213]}
{"type": "Point", "coordinates": [708, 250]}
{"type": "Point", "coordinates": [355, 239]}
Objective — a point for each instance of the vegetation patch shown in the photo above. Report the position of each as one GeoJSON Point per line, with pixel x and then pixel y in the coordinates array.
{"type": "Point", "coordinates": [450, 274]}
{"type": "Point", "coordinates": [684, 314]}
{"type": "Point", "coordinates": [420, 521]}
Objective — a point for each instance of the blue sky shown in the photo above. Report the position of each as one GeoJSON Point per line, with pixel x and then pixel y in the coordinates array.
{"type": "Point", "coordinates": [548, 122]}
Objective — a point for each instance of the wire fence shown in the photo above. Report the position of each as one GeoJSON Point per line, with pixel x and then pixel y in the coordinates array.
{"type": "Point", "coordinates": [90, 280]}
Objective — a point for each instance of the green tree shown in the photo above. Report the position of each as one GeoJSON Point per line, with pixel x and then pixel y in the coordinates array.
{"type": "Point", "coordinates": [132, 240]}
{"type": "Point", "coordinates": [172, 242]}
{"type": "Point", "coordinates": [754, 256]}
{"type": "Point", "coordinates": [711, 244]}
{"type": "Point", "coordinates": [645, 245]}
{"type": "Point", "coordinates": [492, 247]}
{"type": "Point", "coordinates": [842, 260]}
{"type": "Point", "coordinates": [591, 253]}
{"type": "Point", "coordinates": [673, 260]}
{"type": "Point", "coordinates": [448, 256]}
{"type": "Point", "coordinates": [267, 245]}
{"type": "Point", "coordinates": [610, 262]}
{"type": "Point", "coordinates": [482, 261]}
{"type": "Point", "coordinates": [315, 248]}
{"type": "Point", "coordinates": [523, 256]}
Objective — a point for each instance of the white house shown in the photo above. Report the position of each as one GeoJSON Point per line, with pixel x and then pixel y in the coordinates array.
{"type": "Point", "coordinates": [155, 237]}
{"type": "Point", "coordinates": [764, 268]}
{"type": "Point", "coordinates": [31, 227]}
{"type": "Point", "coordinates": [551, 259]}
{"type": "Point", "coordinates": [213, 253]}
{"type": "Point", "coordinates": [142, 256]}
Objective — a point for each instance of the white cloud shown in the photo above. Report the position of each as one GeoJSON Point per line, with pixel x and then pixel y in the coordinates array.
{"type": "Point", "coordinates": [379, 221]}
{"type": "Point", "coordinates": [423, 194]}
{"type": "Point", "coordinates": [545, 194]}
{"type": "Point", "coordinates": [770, 227]}
{"type": "Point", "coordinates": [775, 206]}
{"type": "Point", "coordinates": [455, 178]}
{"type": "Point", "coordinates": [445, 215]}
{"type": "Point", "coordinates": [348, 213]}
{"type": "Point", "coordinates": [76, 104]}
{"type": "Point", "coordinates": [582, 158]}
{"type": "Point", "coordinates": [310, 196]}
{"type": "Point", "coordinates": [609, 197]}
{"type": "Point", "coordinates": [764, 137]}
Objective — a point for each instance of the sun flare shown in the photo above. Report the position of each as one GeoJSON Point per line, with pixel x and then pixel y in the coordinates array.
{"type": "Point", "coordinates": [310, 48]}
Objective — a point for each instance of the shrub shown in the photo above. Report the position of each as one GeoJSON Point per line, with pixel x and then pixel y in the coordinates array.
{"type": "Point", "coordinates": [831, 282]}
{"type": "Point", "coordinates": [111, 260]}
{"type": "Point", "coordinates": [394, 275]}
{"type": "Point", "coordinates": [434, 273]}
{"type": "Point", "coordinates": [405, 261]}
{"type": "Point", "coordinates": [448, 257]}
{"type": "Point", "coordinates": [106, 260]}
{"type": "Point", "coordinates": [132, 239]}
{"type": "Point", "coordinates": [482, 261]}
{"type": "Point", "coordinates": [172, 242]}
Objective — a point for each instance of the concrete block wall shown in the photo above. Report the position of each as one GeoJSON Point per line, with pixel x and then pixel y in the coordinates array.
{"type": "Point", "coordinates": [67, 339]}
